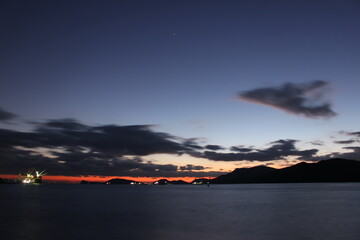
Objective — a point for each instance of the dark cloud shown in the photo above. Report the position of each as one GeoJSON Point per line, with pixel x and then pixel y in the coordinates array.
{"type": "Point", "coordinates": [68, 147]}
{"type": "Point", "coordinates": [300, 99]}
{"type": "Point", "coordinates": [279, 150]}
{"type": "Point", "coordinates": [357, 134]}
{"type": "Point", "coordinates": [134, 140]}
{"type": "Point", "coordinates": [317, 143]}
{"type": "Point", "coordinates": [353, 154]}
{"type": "Point", "coordinates": [345, 142]}
{"type": "Point", "coordinates": [6, 116]}
{"type": "Point", "coordinates": [73, 148]}
{"type": "Point", "coordinates": [10, 138]}
{"type": "Point", "coordinates": [63, 124]}
{"type": "Point", "coordinates": [241, 149]}
{"type": "Point", "coordinates": [137, 140]}
{"type": "Point", "coordinates": [121, 140]}
{"type": "Point", "coordinates": [191, 167]}
{"type": "Point", "coordinates": [214, 147]}
{"type": "Point", "coordinates": [355, 138]}
{"type": "Point", "coordinates": [192, 143]}
{"type": "Point", "coordinates": [77, 163]}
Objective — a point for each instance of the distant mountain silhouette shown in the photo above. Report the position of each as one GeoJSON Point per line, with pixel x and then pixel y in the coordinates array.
{"type": "Point", "coordinates": [201, 181]}
{"type": "Point", "coordinates": [332, 170]}
{"type": "Point", "coordinates": [161, 182]}
{"type": "Point", "coordinates": [178, 182]}
{"type": "Point", "coordinates": [166, 182]}
{"type": "Point", "coordinates": [121, 181]}
{"type": "Point", "coordinates": [244, 175]}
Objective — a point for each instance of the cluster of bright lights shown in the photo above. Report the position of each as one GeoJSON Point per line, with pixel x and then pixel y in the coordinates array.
{"type": "Point", "coordinates": [136, 183]}
{"type": "Point", "coordinates": [32, 178]}
{"type": "Point", "coordinates": [200, 182]}
{"type": "Point", "coordinates": [27, 180]}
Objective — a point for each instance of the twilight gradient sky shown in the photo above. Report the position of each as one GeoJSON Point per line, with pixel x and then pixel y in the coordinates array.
{"type": "Point", "coordinates": [177, 88]}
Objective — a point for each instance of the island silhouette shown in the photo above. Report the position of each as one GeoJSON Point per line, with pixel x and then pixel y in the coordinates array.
{"type": "Point", "coordinates": [331, 170]}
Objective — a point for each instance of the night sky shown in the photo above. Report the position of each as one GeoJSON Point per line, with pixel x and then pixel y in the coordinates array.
{"type": "Point", "coordinates": [177, 88]}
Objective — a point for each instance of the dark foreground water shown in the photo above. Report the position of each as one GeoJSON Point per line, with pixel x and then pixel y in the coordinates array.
{"type": "Point", "coordinates": [321, 211]}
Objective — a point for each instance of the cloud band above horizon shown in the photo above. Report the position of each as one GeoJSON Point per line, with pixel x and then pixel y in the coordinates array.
{"type": "Point", "coordinates": [70, 148]}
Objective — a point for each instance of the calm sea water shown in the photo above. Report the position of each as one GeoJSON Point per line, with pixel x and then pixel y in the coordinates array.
{"type": "Point", "coordinates": [243, 212]}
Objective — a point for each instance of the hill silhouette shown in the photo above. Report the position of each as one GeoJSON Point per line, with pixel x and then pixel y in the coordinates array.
{"type": "Point", "coordinates": [331, 170]}
{"type": "Point", "coordinates": [120, 181]}
{"type": "Point", "coordinates": [164, 181]}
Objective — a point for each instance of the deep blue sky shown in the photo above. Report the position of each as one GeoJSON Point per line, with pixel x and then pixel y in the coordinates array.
{"type": "Point", "coordinates": [180, 66]}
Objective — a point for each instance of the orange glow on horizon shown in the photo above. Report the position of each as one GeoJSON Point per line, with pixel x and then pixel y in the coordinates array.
{"type": "Point", "coordinates": [78, 179]}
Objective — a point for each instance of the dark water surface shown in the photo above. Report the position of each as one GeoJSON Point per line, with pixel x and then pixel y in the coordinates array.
{"type": "Point", "coordinates": [319, 211]}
